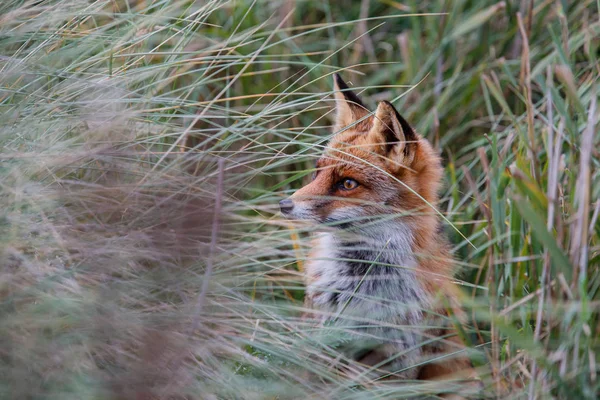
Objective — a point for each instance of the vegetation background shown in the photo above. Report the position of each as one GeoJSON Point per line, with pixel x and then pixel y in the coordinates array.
{"type": "Point", "coordinates": [146, 143]}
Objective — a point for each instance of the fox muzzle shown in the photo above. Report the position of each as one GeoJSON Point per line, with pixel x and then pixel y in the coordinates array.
{"type": "Point", "coordinates": [286, 206]}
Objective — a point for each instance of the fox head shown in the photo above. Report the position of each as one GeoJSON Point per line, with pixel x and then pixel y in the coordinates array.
{"type": "Point", "coordinates": [375, 166]}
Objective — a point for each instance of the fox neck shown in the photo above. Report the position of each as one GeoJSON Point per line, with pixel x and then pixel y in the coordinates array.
{"type": "Point", "coordinates": [372, 273]}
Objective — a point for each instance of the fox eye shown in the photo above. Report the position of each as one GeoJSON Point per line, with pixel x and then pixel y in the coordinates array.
{"type": "Point", "coordinates": [348, 184]}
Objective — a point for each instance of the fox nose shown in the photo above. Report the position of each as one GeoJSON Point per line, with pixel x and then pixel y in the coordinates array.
{"type": "Point", "coordinates": [286, 205]}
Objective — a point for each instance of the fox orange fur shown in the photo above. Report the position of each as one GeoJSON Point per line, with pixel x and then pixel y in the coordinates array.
{"type": "Point", "coordinates": [381, 269]}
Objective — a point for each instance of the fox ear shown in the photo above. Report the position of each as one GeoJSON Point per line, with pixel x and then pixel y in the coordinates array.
{"type": "Point", "coordinates": [391, 131]}
{"type": "Point", "coordinates": [349, 108]}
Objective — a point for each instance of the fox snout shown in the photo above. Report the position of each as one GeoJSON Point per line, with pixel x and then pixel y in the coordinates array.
{"type": "Point", "coordinates": [294, 209]}
{"type": "Point", "coordinates": [286, 206]}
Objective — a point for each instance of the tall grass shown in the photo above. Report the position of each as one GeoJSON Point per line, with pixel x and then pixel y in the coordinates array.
{"type": "Point", "coordinates": [145, 145]}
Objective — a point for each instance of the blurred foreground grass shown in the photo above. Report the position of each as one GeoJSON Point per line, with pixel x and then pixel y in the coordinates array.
{"type": "Point", "coordinates": [124, 125]}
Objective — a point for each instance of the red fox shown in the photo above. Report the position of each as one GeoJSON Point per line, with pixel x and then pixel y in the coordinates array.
{"type": "Point", "coordinates": [381, 268]}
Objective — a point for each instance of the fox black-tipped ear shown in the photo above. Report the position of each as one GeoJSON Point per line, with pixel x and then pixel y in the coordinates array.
{"type": "Point", "coordinates": [391, 130]}
{"type": "Point", "coordinates": [349, 108]}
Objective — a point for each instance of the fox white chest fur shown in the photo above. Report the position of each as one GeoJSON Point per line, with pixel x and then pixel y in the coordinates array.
{"type": "Point", "coordinates": [367, 284]}
{"type": "Point", "coordinates": [375, 275]}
